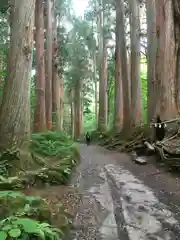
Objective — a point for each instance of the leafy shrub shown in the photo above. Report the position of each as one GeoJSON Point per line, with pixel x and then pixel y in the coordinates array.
{"type": "Point", "coordinates": [26, 228]}
{"type": "Point", "coordinates": [17, 204]}
{"type": "Point", "coordinates": [29, 217]}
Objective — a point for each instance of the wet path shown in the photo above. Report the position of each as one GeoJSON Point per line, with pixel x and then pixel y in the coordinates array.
{"type": "Point", "coordinates": [123, 201]}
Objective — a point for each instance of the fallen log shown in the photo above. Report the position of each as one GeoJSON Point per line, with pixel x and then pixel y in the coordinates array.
{"type": "Point", "coordinates": [149, 146]}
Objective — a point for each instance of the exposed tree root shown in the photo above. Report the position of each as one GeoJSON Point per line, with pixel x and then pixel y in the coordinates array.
{"type": "Point", "coordinates": [58, 173]}
{"type": "Point", "coordinates": [38, 173]}
{"type": "Point", "coordinates": [133, 142]}
{"type": "Point", "coordinates": [167, 151]}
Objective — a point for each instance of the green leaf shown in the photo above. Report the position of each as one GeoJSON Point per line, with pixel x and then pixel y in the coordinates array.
{"type": "Point", "coordinates": [5, 221]}
{"type": "Point", "coordinates": [29, 225]}
{"type": "Point", "coordinates": [57, 230]}
{"type": "Point", "coordinates": [14, 233]}
{"type": "Point", "coordinates": [6, 227]}
{"type": "Point", "coordinates": [3, 235]}
{"type": "Point", "coordinates": [40, 233]}
{"type": "Point", "coordinates": [44, 225]}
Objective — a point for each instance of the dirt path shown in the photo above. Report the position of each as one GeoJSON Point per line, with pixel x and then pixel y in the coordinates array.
{"type": "Point", "coordinates": [121, 200]}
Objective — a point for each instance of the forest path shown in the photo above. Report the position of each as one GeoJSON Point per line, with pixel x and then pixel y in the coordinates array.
{"type": "Point", "coordinates": [122, 200]}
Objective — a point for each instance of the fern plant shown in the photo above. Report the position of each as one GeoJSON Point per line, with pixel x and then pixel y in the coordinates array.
{"type": "Point", "coordinates": [52, 144]}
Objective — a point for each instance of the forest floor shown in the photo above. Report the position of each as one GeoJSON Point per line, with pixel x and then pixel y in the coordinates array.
{"type": "Point", "coordinates": [112, 198]}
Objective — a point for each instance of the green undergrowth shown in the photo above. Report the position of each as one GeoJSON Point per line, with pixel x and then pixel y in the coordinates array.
{"type": "Point", "coordinates": [26, 217]}
{"type": "Point", "coordinates": [53, 157]}
{"type": "Point", "coordinates": [52, 144]}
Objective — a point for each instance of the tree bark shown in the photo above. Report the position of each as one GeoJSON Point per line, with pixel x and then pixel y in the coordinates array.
{"type": "Point", "coordinates": [1, 78]}
{"type": "Point", "coordinates": [167, 71]}
{"type": "Point", "coordinates": [95, 87]}
{"type": "Point", "coordinates": [61, 112]}
{"type": "Point", "coordinates": [153, 60]}
{"type": "Point", "coordinates": [102, 120]}
{"type": "Point", "coordinates": [1, 69]}
{"type": "Point", "coordinates": [77, 110]}
{"type": "Point", "coordinates": [124, 70]}
{"type": "Point", "coordinates": [56, 79]}
{"type": "Point", "coordinates": [40, 111]}
{"type": "Point", "coordinates": [176, 9]}
{"type": "Point", "coordinates": [118, 107]}
{"type": "Point", "coordinates": [72, 113]}
{"type": "Point", "coordinates": [136, 98]}
{"type": "Point", "coordinates": [82, 111]}
{"type": "Point", "coordinates": [48, 62]}
{"type": "Point", "coordinates": [15, 108]}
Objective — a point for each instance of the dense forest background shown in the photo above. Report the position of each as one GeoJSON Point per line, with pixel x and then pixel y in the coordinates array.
{"type": "Point", "coordinates": [116, 67]}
